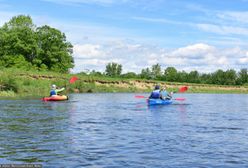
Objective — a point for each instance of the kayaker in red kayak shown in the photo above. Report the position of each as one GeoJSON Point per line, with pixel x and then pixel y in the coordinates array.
{"type": "Point", "coordinates": [54, 91]}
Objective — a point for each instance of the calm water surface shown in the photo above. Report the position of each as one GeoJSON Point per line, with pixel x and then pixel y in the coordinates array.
{"type": "Point", "coordinates": [118, 130]}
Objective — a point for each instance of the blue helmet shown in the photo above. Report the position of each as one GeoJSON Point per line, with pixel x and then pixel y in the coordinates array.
{"type": "Point", "coordinates": [157, 87]}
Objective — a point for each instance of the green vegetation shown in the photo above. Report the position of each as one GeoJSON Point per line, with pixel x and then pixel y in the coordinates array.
{"type": "Point", "coordinates": [25, 46]}
{"type": "Point", "coordinates": [113, 69]}
{"type": "Point", "coordinates": [14, 83]}
{"type": "Point", "coordinates": [170, 74]}
{"type": "Point", "coordinates": [219, 77]}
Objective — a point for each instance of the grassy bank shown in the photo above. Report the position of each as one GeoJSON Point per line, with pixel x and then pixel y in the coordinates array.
{"type": "Point", "coordinates": [15, 82]}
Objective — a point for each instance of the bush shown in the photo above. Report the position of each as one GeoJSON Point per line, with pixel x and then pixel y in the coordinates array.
{"type": "Point", "coordinates": [8, 84]}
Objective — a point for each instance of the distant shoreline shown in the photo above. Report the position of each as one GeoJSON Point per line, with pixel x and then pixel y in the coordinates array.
{"type": "Point", "coordinates": [15, 83]}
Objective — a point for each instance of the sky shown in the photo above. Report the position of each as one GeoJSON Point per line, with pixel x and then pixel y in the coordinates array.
{"type": "Point", "coordinates": [186, 34]}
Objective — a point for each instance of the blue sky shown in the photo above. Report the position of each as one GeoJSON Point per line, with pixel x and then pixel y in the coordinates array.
{"type": "Point", "coordinates": [186, 34]}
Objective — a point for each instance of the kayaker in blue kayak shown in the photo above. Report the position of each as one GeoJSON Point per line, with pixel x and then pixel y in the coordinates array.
{"type": "Point", "coordinates": [155, 93]}
{"type": "Point", "coordinates": [165, 95]}
{"type": "Point", "coordinates": [54, 91]}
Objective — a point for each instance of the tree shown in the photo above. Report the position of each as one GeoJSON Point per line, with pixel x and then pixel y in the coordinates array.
{"type": "Point", "coordinates": [156, 71]}
{"type": "Point", "coordinates": [54, 50]}
{"type": "Point", "coordinates": [129, 75]}
{"type": "Point", "coordinates": [17, 61]}
{"type": "Point", "coordinates": [18, 39]}
{"type": "Point", "coordinates": [242, 76]}
{"type": "Point", "coordinates": [95, 73]}
{"type": "Point", "coordinates": [230, 77]}
{"type": "Point", "coordinates": [170, 74]}
{"type": "Point", "coordinates": [182, 76]}
{"type": "Point", "coordinates": [41, 48]}
{"type": "Point", "coordinates": [146, 73]}
{"type": "Point", "coordinates": [113, 69]}
{"type": "Point", "coordinates": [193, 77]}
{"type": "Point", "coordinates": [206, 78]}
{"type": "Point", "coordinates": [218, 77]}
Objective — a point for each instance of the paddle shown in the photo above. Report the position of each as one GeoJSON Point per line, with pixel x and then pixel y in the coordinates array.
{"type": "Point", "coordinates": [183, 89]}
{"type": "Point", "coordinates": [73, 79]}
{"type": "Point", "coordinates": [144, 97]}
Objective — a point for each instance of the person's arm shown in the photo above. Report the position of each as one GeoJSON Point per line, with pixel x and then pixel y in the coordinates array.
{"type": "Point", "coordinates": [169, 95]}
{"type": "Point", "coordinates": [60, 90]}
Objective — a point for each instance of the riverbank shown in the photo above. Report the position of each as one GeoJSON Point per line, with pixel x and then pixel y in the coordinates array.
{"type": "Point", "coordinates": [15, 83]}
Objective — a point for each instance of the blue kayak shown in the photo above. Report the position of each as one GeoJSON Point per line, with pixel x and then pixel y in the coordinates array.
{"type": "Point", "coordinates": [158, 102]}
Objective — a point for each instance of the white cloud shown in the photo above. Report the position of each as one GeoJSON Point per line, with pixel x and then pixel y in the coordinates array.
{"type": "Point", "coordinates": [244, 60]}
{"type": "Point", "coordinates": [193, 51]}
{"type": "Point", "coordinates": [222, 61]}
{"type": "Point", "coordinates": [156, 20]}
{"type": "Point", "coordinates": [224, 30]}
{"type": "Point", "coordinates": [199, 54]}
{"type": "Point", "coordinates": [237, 16]}
{"type": "Point", "coordinates": [135, 57]}
{"type": "Point", "coordinates": [88, 51]}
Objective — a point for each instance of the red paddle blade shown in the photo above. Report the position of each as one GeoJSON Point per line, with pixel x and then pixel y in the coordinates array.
{"type": "Point", "coordinates": [183, 89]}
{"type": "Point", "coordinates": [137, 96]}
{"type": "Point", "coordinates": [73, 79]}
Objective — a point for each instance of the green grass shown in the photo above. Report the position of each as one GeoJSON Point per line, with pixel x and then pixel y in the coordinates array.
{"type": "Point", "coordinates": [7, 93]}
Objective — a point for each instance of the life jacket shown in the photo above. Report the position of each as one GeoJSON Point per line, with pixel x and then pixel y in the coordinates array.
{"type": "Point", "coordinates": [53, 93]}
{"type": "Point", "coordinates": [155, 94]}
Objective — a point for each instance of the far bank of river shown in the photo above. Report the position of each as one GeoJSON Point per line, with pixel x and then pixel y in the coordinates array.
{"type": "Point", "coordinates": [15, 83]}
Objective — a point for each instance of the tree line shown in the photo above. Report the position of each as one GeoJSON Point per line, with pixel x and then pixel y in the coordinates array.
{"type": "Point", "coordinates": [171, 74]}
{"type": "Point", "coordinates": [26, 46]}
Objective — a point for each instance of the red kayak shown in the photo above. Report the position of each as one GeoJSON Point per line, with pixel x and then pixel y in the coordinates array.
{"type": "Point", "coordinates": [56, 98]}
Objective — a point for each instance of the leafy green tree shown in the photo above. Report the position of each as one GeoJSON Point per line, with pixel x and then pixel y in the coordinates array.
{"type": "Point", "coordinates": [54, 50]}
{"type": "Point", "coordinates": [170, 74]}
{"type": "Point", "coordinates": [182, 76]}
{"type": "Point", "coordinates": [113, 69]}
{"type": "Point", "coordinates": [206, 78]}
{"type": "Point", "coordinates": [24, 45]}
{"type": "Point", "coordinates": [156, 71]}
{"type": "Point", "coordinates": [18, 39]}
{"type": "Point", "coordinates": [242, 76]}
{"type": "Point", "coordinates": [193, 77]}
{"type": "Point", "coordinates": [129, 75]}
{"type": "Point", "coordinates": [17, 61]}
{"type": "Point", "coordinates": [146, 73]}
{"type": "Point", "coordinates": [218, 77]}
{"type": "Point", "coordinates": [230, 77]}
{"type": "Point", "coordinates": [95, 73]}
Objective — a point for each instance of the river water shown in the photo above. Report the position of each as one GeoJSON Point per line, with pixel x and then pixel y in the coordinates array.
{"type": "Point", "coordinates": [119, 130]}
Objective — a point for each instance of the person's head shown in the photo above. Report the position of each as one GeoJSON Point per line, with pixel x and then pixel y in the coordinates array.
{"type": "Point", "coordinates": [164, 88]}
{"type": "Point", "coordinates": [53, 86]}
{"type": "Point", "coordinates": [157, 87]}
